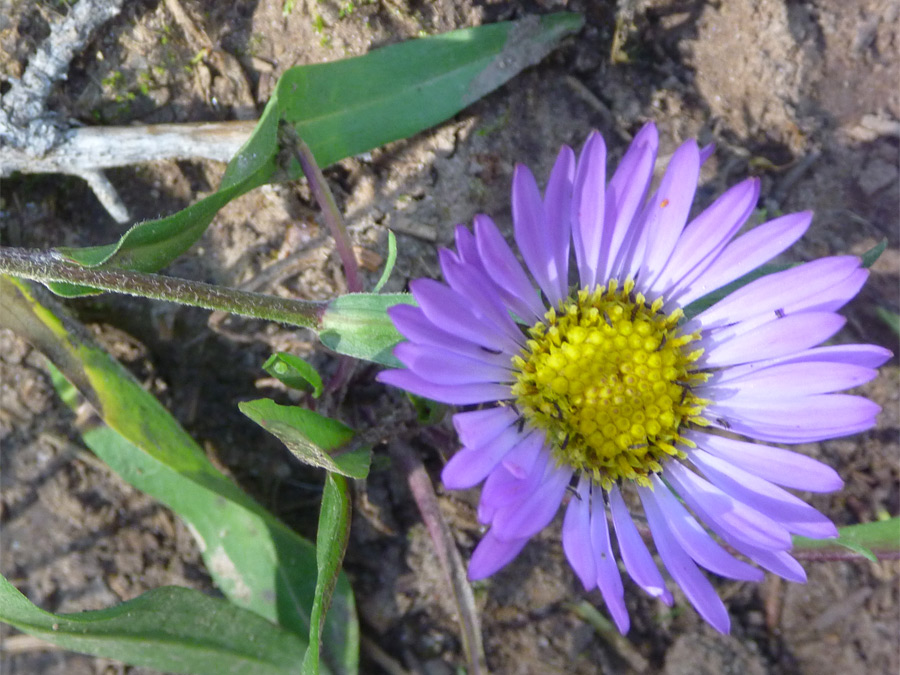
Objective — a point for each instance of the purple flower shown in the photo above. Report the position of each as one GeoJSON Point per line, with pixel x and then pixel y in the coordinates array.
{"type": "Point", "coordinates": [596, 384]}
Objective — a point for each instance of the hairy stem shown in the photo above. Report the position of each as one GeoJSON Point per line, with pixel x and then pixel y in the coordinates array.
{"type": "Point", "coordinates": [49, 266]}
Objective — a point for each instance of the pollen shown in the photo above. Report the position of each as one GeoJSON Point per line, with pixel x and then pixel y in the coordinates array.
{"type": "Point", "coordinates": [609, 376]}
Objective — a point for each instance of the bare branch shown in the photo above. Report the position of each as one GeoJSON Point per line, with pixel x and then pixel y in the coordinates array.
{"type": "Point", "coordinates": [106, 193]}
{"type": "Point", "coordinates": [87, 149]}
{"type": "Point", "coordinates": [25, 102]}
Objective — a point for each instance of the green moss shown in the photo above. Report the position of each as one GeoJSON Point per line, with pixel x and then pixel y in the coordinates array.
{"type": "Point", "coordinates": [115, 80]}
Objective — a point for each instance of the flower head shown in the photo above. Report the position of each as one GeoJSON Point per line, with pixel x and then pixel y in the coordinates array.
{"type": "Point", "coordinates": [594, 382]}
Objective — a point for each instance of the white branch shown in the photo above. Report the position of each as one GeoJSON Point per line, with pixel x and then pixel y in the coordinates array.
{"type": "Point", "coordinates": [24, 102]}
{"type": "Point", "coordinates": [85, 149]}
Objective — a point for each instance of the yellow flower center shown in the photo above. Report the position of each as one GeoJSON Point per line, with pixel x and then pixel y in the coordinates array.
{"type": "Point", "coordinates": [609, 377]}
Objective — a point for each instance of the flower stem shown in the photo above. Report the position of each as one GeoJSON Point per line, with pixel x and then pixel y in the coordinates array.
{"type": "Point", "coordinates": [49, 266]}
{"type": "Point", "coordinates": [445, 548]}
{"type": "Point", "coordinates": [291, 140]}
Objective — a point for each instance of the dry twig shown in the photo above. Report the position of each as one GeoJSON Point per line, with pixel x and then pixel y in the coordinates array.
{"type": "Point", "coordinates": [33, 140]}
{"type": "Point", "coordinates": [27, 130]}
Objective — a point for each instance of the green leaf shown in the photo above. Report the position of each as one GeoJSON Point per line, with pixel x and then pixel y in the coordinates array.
{"type": "Point", "coordinates": [309, 436]}
{"type": "Point", "coordinates": [294, 372]}
{"type": "Point", "coordinates": [389, 264]}
{"type": "Point", "coordinates": [873, 254]}
{"type": "Point", "coordinates": [177, 630]}
{"type": "Point", "coordinates": [357, 325]}
{"type": "Point", "coordinates": [867, 539]}
{"type": "Point", "coordinates": [331, 543]}
{"type": "Point", "coordinates": [891, 319]}
{"type": "Point", "coordinates": [257, 562]}
{"type": "Point", "coordinates": [344, 108]}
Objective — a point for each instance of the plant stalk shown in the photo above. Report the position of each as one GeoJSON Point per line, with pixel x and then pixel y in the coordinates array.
{"type": "Point", "coordinates": [319, 187]}
{"type": "Point", "coordinates": [50, 266]}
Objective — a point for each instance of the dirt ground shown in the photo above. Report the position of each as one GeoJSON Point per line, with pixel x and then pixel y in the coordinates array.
{"type": "Point", "coordinates": [803, 94]}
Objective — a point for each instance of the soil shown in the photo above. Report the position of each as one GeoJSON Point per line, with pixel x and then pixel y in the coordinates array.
{"type": "Point", "coordinates": [803, 95]}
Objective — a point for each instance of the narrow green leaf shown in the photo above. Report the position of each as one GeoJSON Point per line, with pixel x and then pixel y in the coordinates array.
{"type": "Point", "coordinates": [861, 550]}
{"type": "Point", "coordinates": [389, 263]}
{"type": "Point", "coordinates": [256, 561]}
{"type": "Point", "coordinates": [873, 254]}
{"type": "Point", "coordinates": [150, 246]}
{"type": "Point", "coordinates": [868, 539]}
{"type": "Point", "coordinates": [309, 436]}
{"type": "Point", "coordinates": [357, 325]}
{"type": "Point", "coordinates": [294, 372]}
{"type": "Point", "coordinates": [174, 629]}
{"type": "Point", "coordinates": [891, 319]}
{"type": "Point", "coordinates": [344, 108]}
{"type": "Point", "coordinates": [331, 543]}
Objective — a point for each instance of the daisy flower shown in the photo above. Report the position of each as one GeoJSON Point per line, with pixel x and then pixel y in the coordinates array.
{"type": "Point", "coordinates": [591, 383]}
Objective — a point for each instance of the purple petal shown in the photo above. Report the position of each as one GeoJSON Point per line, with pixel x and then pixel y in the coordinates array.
{"type": "Point", "coordinates": [778, 337]}
{"type": "Point", "coordinates": [784, 467]}
{"type": "Point", "coordinates": [835, 297]}
{"type": "Point", "coordinates": [475, 287]}
{"type": "Point", "coordinates": [646, 228]}
{"type": "Point", "coordinates": [669, 208]}
{"type": "Point", "coordinates": [819, 411]}
{"type": "Point", "coordinates": [525, 459]}
{"type": "Point", "coordinates": [535, 512]}
{"type": "Point", "coordinates": [514, 477]}
{"type": "Point", "coordinates": [638, 561]}
{"type": "Point", "coordinates": [774, 433]}
{"type": "Point", "coordinates": [864, 356]}
{"type": "Point", "coordinates": [446, 308]}
{"type": "Point", "coordinates": [683, 570]}
{"type": "Point", "coordinates": [458, 394]}
{"type": "Point", "coordinates": [868, 356]}
{"type": "Point", "coordinates": [576, 539]}
{"type": "Point", "coordinates": [442, 367]}
{"type": "Point", "coordinates": [706, 152]}
{"type": "Point", "coordinates": [588, 207]}
{"type": "Point", "coordinates": [506, 271]}
{"type": "Point", "coordinates": [558, 216]}
{"type": "Point", "coordinates": [790, 291]}
{"type": "Point", "coordinates": [746, 253]}
{"type": "Point", "coordinates": [693, 538]}
{"type": "Point", "coordinates": [471, 465]}
{"type": "Point", "coordinates": [491, 554]}
{"type": "Point", "coordinates": [624, 196]}
{"type": "Point", "coordinates": [467, 248]}
{"type": "Point", "coordinates": [796, 515]}
{"type": "Point", "coordinates": [414, 325]}
{"type": "Point", "coordinates": [785, 381]}
{"type": "Point", "coordinates": [529, 227]}
{"type": "Point", "coordinates": [608, 578]}
{"type": "Point", "coordinates": [720, 509]}
{"type": "Point", "coordinates": [478, 427]}
{"type": "Point", "coordinates": [778, 562]}
{"type": "Point", "coordinates": [705, 237]}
